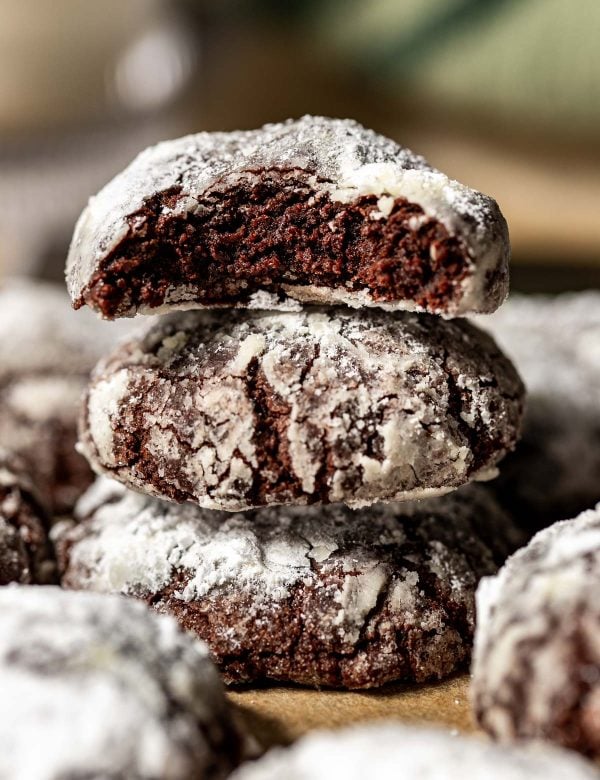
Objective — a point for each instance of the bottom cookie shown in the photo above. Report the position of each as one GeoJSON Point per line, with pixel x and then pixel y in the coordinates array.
{"type": "Point", "coordinates": [319, 595]}
{"type": "Point", "coordinates": [98, 686]}
{"type": "Point", "coordinates": [25, 553]}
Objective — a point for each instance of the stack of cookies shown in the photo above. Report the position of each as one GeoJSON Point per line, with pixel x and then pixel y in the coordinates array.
{"type": "Point", "coordinates": [276, 447]}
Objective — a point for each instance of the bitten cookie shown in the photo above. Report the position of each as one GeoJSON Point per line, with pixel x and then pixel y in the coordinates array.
{"type": "Point", "coordinates": [555, 344]}
{"type": "Point", "coordinates": [319, 595]}
{"type": "Point", "coordinates": [536, 670]}
{"type": "Point", "coordinates": [315, 210]}
{"type": "Point", "coordinates": [98, 686]}
{"type": "Point", "coordinates": [240, 409]}
{"type": "Point", "coordinates": [25, 553]}
{"type": "Point", "coordinates": [46, 354]}
{"type": "Point", "coordinates": [390, 750]}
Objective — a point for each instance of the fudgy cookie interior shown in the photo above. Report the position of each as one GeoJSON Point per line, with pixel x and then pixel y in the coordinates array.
{"type": "Point", "coordinates": [271, 229]}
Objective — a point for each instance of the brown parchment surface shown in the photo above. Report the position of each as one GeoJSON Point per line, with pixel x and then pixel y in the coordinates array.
{"type": "Point", "coordinates": [280, 714]}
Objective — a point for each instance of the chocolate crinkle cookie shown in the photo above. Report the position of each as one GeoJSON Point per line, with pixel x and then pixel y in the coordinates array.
{"type": "Point", "coordinates": [389, 750]}
{"type": "Point", "coordinates": [554, 472]}
{"type": "Point", "coordinates": [97, 686]}
{"type": "Point", "coordinates": [536, 669]}
{"type": "Point", "coordinates": [319, 595]}
{"type": "Point", "coordinates": [235, 409]}
{"type": "Point", "coordinates": [315, 210]}
{"type": "Point", "coordinates": [46, 354]}
{"type": "Point", "coordinates": [25, 553]}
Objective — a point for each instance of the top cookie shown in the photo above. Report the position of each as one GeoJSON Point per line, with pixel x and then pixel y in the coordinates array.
{"type": "Point", "coordinates": [315, 210]}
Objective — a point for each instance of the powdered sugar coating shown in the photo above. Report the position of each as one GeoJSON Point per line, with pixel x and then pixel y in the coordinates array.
{"type": "Point", "coordinates": [386, 592]}
{"type": "Point", "coordinates": [340, 158]}
{"type": "Point", "coordinates": [46, 354]}
{"type": "Point", "coordinates": [555, 344]}
{"type": "Point", "coordinates": [390, 750]}
{"type": "Point", "coordinates": [234, 410]}
{"type": "Point", "coordinates": [536, 670]}
{"type": "Point", "coordinates": [98, 686]}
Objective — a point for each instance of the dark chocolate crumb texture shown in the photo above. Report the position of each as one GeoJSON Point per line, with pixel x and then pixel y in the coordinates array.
{"type": "Point", "coordinates": [321, 595]}
{"type": "Point", "coordinates": [315, 210]}
{"type": "Point", "coordinates": [25, 552]}
{"type": "Point", "coordinates": [238, 409]}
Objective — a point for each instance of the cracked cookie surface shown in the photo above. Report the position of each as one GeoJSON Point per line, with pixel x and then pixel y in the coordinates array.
{"type": "Point", "coordinates": [99, 686]}
{"type": "Point", "coordinates": [315, 210]}
{"type": "Point", "coordinates": [536, 670]}
{"type": "Point", "coordinates": [240, 409]}
{"type": "Point", "coordinates": [25, 552]}
{"type": "Point", "coordinates": [320, 595]}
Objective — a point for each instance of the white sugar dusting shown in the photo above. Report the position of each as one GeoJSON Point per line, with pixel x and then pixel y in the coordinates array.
{"type": "Point", "coordinates": [100, 686]}
{"type": "Point", "coordinates": [390, 750]}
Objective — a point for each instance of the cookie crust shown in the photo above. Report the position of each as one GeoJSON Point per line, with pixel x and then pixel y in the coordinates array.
{"type": "Point", "coordinates": [315, 210]}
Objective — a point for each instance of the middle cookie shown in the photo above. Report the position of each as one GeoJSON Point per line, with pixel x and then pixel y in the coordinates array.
{"type": "Point", "coordinates": [239, 410]}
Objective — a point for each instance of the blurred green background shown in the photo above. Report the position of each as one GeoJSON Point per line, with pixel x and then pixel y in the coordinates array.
{"type": "Point", "coordinates": [501, 94]}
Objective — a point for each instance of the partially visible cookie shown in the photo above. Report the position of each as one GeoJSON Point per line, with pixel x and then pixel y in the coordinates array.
{"type": "Point", "coordinates": [536, 670]}
{"type": "Point", "coordinates": [389, 751]}
{"type": "Point", "coordinates": [25, 553]}
{"type": "Point", "coordinates": [319, 595]}
{"type": "Point", "coordinates": [554, 472]}
{"type": "Point", "coordinates": [97, 686]}
{"type": "Point", "coordinates": [315, 210]}
{"type": "Point", "coordinates": [46, 354]}
{"type": "Point", "coordinates": [235, 409]}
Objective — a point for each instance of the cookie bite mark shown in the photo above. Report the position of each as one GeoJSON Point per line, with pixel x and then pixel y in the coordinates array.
{"type": "Point", "coordinates": [314, 210]}
{"type": "Point", "coordinates": [273, 231]}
